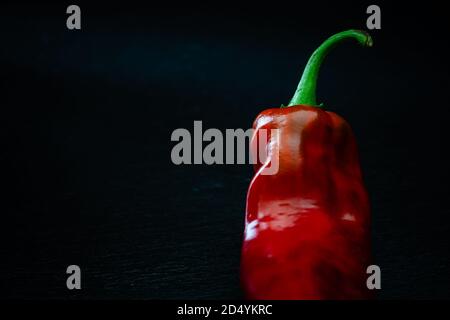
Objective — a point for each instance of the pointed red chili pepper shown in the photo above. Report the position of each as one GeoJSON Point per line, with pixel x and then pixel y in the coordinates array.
{"type": "Point", "coordinates": [307, 230]}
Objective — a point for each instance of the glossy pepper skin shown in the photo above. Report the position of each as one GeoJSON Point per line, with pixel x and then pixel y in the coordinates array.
{"type": "Point", "coordinates": [307, 228]}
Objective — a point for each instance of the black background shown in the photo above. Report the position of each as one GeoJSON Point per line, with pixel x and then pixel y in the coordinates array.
{"type": "Point", "coordinates": [86, 118]}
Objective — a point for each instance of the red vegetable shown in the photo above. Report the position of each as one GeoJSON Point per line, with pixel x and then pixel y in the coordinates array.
{"type": "Point", "coordinates": [307, 230]}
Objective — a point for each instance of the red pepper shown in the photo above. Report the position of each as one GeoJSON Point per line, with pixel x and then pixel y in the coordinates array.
{"type": "Point", "coordinates": [307, 232]}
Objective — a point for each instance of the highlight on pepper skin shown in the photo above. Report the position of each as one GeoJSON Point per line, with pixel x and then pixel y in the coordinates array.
{"type": "Point", "coordinates": [307, 228]}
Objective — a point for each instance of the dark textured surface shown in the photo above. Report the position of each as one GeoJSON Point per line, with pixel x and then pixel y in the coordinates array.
{"type": "Point", "coordinates": [86, 119]}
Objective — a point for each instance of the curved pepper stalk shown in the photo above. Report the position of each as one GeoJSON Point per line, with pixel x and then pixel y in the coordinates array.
{"type": "Point", "coordinates": [306, 90]}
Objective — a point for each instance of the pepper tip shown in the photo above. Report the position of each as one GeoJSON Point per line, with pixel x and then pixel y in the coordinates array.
{"type": "Point", "coordinates": [368, 39]}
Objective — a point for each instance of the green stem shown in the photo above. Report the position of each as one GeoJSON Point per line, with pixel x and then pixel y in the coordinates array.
{"type": "Point", "coordinates": [306, 90]}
